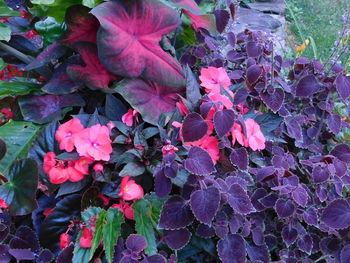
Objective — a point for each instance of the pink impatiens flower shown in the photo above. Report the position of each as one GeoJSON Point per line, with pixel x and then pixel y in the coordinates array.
{"type": "Point", "coordinates": [130, 117]}
{"type": "Point", "coordinates": [129, 190]}
{"type": "Point", "coordinates": [255, 139]}
{"type": "Point", "coordinates": [65, 134]}
{"type": "Point", "coordinates": [212, 78]}
{"type": "Point", "coordinates": [94, 142]}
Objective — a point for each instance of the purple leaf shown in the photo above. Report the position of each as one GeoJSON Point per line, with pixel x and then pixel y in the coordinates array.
{"type": "Point", "coordinates": [274, 100]}
{"type": "Point", "coordinates": [258, 254]}
{"type": "Point", "coordinates": [269, 200]}
{"type": "Point", "coordinates": [240, 96]}
{"type": "Point", "coordinates": [199, 162]}
{"type": "Point", "coordinates": [221, 17]}
{"type": "Point", "coordinates": [300, 196]}
{"type": "Point", "coordinates": [194, 127]}
{"type": "Point", "coordinates": [284, 208]}
{"type": "Point", "coordinates": [342, 84]}
{"type": "Point", "coordinates": [337, 214]}
{"type": "Point", "coordinates": [310, 216]}
{"type": "Point", "coordinates": [205, 231]}
{"type": "Point", "coordinates": [171, 170]}
{"type": "Point", "coordinates": [162, 183]}
{"type": "Point", "coordinates": [223, 121]}
{"type": "Point", "coordinates": [136, 243]}
{"type": "Point", "coordinates": [22, 254]}
{"type": "Point", "coordinates": [345, 254]}
{"type": "Point", "coordinates": [46, 108]}
{"type": "Point", "coordinates": [320, 174]}
{"type": "Point", "coordinates": [289, 235]}
{"type": "Point", "coordinates": [45, 256]}
{"type": "Point", "coordinates": [293, 128]}
{"type": "Point", "coordinates": [239, 157]}
{"type": "Point", "coordinates": [231, 38]}
{"type": "Point", "coordinates": [82, 26]}
{"type": "Point", "coordinates": [258, 236]}
{"type": "Point", "coordinates": [253, 49]}
{"type": "Point", "coordinates": [93, 74]}
{"type": "Point", "coordinates": [239, 200]}
{"type": "Point", "coordinates": [177, 239]}
{"type": "Point", "coordinates": [340, 167]}
{"type": "Point", "coordinates": [205, 204]}
{"type": "Point", "coordinates": [176, 214]}
{"type": "Point", "coordinates": [334, 123]}
{"type": "Point", "coordinates": [66, 255]}
{"type": "Point", "coordinates": [232, 249]}
{"type": "Point", "coordinates": [253, 73]}
{"type": "Point", "coordinates": [4, 254]}
{"type": "Point", "coordinates": [157, 258]}
{"type": "Point", "coordinates": [342, 152]}
{"type": "Point", "coordinates": [258, 194]}
{"type": "Point", "coordinates": [128, 44]}
{"type": "Point", "coordinates": [148, 98]}
{"type": "Point", "coordinates": [305, 244]}
{"type": "Point", "coordinates": [307, 86]}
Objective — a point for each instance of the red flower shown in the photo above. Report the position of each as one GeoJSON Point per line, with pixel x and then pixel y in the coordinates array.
{"type": "Point", "coordinates": [31, 33]}
{"type": "Point", "coordinates": [8, 114]}
{"type": "Point", "coordinates": [104, 199]}
{"type": "Point", "coordinates": [86, 238]}
{"type": "Point", "coordinates": [126, 208]}
{"type": "Point", "coordinates": [64, 240]}
{"type": "Point", "coordinates": [3, 204]}
{"type": "Point", "coordinates": [129, 190]}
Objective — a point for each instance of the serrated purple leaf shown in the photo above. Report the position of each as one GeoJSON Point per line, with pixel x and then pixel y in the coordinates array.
{"type": "Point", "coordinates": [293, 128]}
{"type": "Point", "coordinates": [258, 254]}
{"type": "Point", "coordinates": [22, 254]}
{"type": "Point", "coordinates": [289, 235]}
{"type": "Point", "coordinates": [176, 213]}
{"type": "Point", "coordinates": [205, 203]}
{"type": "Point", "coordinates": [253, 73]}
{"type": "Point", "coordinates": [239, 200]}
{"type": "Point", "coordinates": [194, 127]}
{"type": "Point", "coordinates": [158, 258]}
{"type": "Point", "coordinates": [257, 195]}
{"type": "Point", "coordinates": [45, 256]}
{"type": "Point", "coordinates": [337, 214]}
{"type": "Point", "coordinates": [342, 152]}
{"type": "Point", "coordinates": [223, 121]}
{"type": "Point", "coordinates": [284, 208]}
{"type": "Point", "coordinates": [342, 84]}
{"type": "Point", "coordinates": [320, 174]}
{"type": "Point", "coordinates": [231, 37]}
{"type": "Point", "coordinates": [310, 216]}
{"type": "Point", "coordinates": [205, 231]}
{"type": "Point", "coordinates": [307, 86]}
{"type": "Point", "coordinates": [239, 157]}
{"type": "Point", "coordinates": [305, 244]}
{"type": "Point", "coordinates": [240, 96]}
{"type": "Point", "coordinates": [4, 254]}
{"type": "Point", "coordinates": [253, 49]}
{"type": "Point", "coordinates": [269, 200]}
{"type": "Point", "coordinates": [162, 183]}
{"type": "Point", "coordinates": [258, 236]}
{"type": "Point", "coordinates": [66, 255]}
{"type": "Point", "coordinates": [345, 254]}
{"type": "Point", "coordinates": [177, 239]}
{"type": "Point", "coordinates": [221, 231]}
{"type": "Point", "coordinates": [199, 162]}
{"type": "Point", "coordinates": [221, 17]}
{"type": "Point", "coordinates": [232, 249]}
{"type": "Point", "coordinates": [340, 167]}
{"type": "Point", "coordinates": [273, 100]}
{"type": "Point", "coordinates": [136, 243]}
{"type": "Point", "coordinates": [334, 123]}
{"type": "Point", "coordinates": [300, 195]}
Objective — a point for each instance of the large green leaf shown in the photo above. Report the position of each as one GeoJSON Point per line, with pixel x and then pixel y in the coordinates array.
{"type": "Point", "coordinates": [18, 136]}
{"type": "Point", "coordinates": [11, 89]}
{"type": "Point", "coordinates": [111, 231]}
{"type": "Point", "coordinates": [98, 232]}
{"type": "Point", "coordinates": [19, 192]}
{"type": "Point", "coordinates": [80, 254]}
{"type": "Point", "coordinates": [6, 11]}
{"type": "Point", "coordinates": [5, 32]}
{"type": "Point", "coordinates": [146, 214]}
{"type": "Point", "coordinates": [50, 30]}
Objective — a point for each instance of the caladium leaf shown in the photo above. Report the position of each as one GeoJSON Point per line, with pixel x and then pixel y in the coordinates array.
{"type": "Point", "coordinates": [94, 74]}
{"type": "Point", "coordinates": [189, 5]}
{"type": "Point", "coordinates": [194, 127]}
{"type": "Point", "coordinates": [223, 121]}
{"type": "Point", "coordinates": [205, 204]}
{"type": "Point", "coordinates": [199, 161]}
{"type": "Point", "coordinates": [148, 98]}
{"type": "Point", "coordinates": [82, 26]}
{"type": "Point", "coordinates": [177, 239]}
{"type": "Point", "coordinates": [128, 43]}
{"type": "Point", "coordinates": [232, 249]}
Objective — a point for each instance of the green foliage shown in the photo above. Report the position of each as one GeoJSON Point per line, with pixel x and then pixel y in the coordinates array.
{"type": "Point", "coordinates": [50, 30]}
{"type": "Point", "coordinates": [20, 191]}
{"type": "Point", "coordinates": [18, 137]}
{"type": "Point", "coordinates": [98, 232]}
{"type": "Point", "coordinates": [11, 89]}
{"type": "Point", "coordinates": [146, 213]}
{"type": "Point", "coordinates": [80, 254]}
{"type": "Point", "coordinates": [5, 32]}
{"type": "Point", "coordinates": [6, 11]}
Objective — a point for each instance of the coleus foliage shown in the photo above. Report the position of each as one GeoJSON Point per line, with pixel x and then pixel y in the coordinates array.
{"type": "Point", "coordinates": [215, 196]}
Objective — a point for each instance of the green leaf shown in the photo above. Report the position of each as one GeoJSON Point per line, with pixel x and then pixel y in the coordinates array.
{"type": "Point", "coordinates": [146, 214]}
{"type": "Point", "coordinates": [91, 3]}
{"type": "Point", "coordinates": [6, 11]}
{"type": "Point", "coordinates": [80, 254]}
{"type": "Point", "coordinates": [132, 169]}
{"type": "Point", "coordinates": [12, 89]}
{"type": "Point", "coordinates": [5, 32]}
{"type": "Point", "coordinates": [20, 191]}
{"type": "Point", "coordinates": [98, 232]}
{"type": "Point", "coordinates": [88, 213]}
{"type": "Point", "coordinates": [50, 30]}
{"type": "Point", "coordinates": [111, 231]}
{"type": "Point", "coordinates": [2, 64]}
{"type": "Point", "coordinates": [43, 2]}
{"type": "Point", "coordinates": [18, 136]}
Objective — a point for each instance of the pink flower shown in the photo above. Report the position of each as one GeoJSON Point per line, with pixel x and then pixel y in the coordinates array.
{"type": "Point", "coordinates": [168, 149]}
{"type": "Point", "coordinates": [182, 108]}
{"type": "Point", "coordinates": [82, 165]}
{"type": "Point", "coordinates": [86, 238]}
{"type": "Point", "coordinates": [64, 240]}
{"type": "Point", "coordinates": [65, 134]}
{"type": "Point", "coordinates": [73, 174]}
{"type": "Point", "coordinates": [49, 161]}
{"type": "Point", "coordinates": [255, 137]}
{"type": "Point", "coordinates": [210, 144]}
{"type": "Point", "coordinates": [129, 190]}
{"type": "Point", "coordinates": [218, 97]}
{"type": "Point", "coordinates": [201, 21]}
{"type": "Point", "coordinates": [98, 167]}
{"type": "Point", "coordinates": [126, 208]}
{"type": "Point", "coordinates": [129, 117]}
{"type": "Point", "coordinates": [243, 109]}
{"type": "Point", "coordinates": [58, 175]}
{"type": "Point", "coordinates": [212, 78]}
{"type": "Point", "coordinates": [237, 134]}
{"type": "Point", "coordinates": [94, 142]}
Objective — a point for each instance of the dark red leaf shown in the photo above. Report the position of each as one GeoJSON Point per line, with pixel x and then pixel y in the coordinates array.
{"type": "Point", "coordinates": [128, 40]}
{"type": "Point", "coordinates": [194, 127]}
{"type": "Point", "coordinates": [93, 74]}
{"type": "Point", "coordinates": [307, 86]}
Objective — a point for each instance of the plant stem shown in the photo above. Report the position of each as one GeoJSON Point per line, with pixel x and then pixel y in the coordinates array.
{"type": "Point", "coordinates": [26, 59]}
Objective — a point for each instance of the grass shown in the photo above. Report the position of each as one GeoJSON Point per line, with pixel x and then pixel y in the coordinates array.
{"type": "Point", "coordinates": [317, 20]}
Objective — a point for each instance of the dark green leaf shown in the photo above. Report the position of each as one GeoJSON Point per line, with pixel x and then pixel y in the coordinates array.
{"type": "Point", "coordinates": [6, 11]}
{"type": "Point", "coordinates": [3, 148]}
{"type": "Point", "coordinates": [132, 169]}
{"type": "Point", "coordinates": [98, 232]}
{"type": "Point", "coordinates": [50, 30]}
{"type": "Point", "coordinates": [5, 32]}
{"type": "Point", "coordinates": [19, 192]}
{"type": "Point", "coordinates": [11, 89]}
